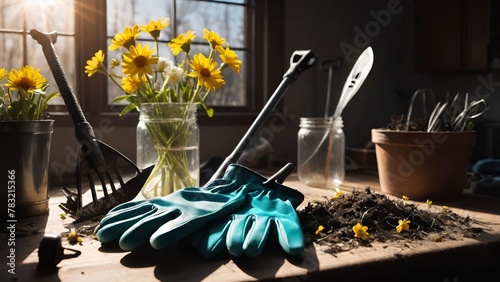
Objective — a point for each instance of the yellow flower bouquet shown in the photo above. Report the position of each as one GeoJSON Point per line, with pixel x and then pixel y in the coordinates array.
{"type": "Point", "coordinates": [23, 97]}
{"type": "Point", "coordinates": [149, 82]}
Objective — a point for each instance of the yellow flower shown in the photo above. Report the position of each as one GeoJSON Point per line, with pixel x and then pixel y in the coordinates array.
{"type": "Point", "coordinates": [213, 38]}
{"type": "Point", "coordinates": [182, 43]}
{"type": "Point", "coordinates": [154, 28]}
{"type": "Point", "coordinates": [73, 237]}
{"type": "Point", "coordinates": [27, 79]}
{"type": "Point", "coordinates": [3, 73]}
{"type": "Point", "coordinates": [131, 83]}
{"type": "Point", "coordinates": [405, 198]}
{"type": "Point", "coordinates": [360, 231]}
{"type": "Point", "coordinates": [96, 64]}
{"type": "Point", "coordinates": [230, 58]}
{"type": "Point", "coordinates": [126, 38]}
{"type": "Point", "coordinates": [403, 225]}
{"type": "Point", "coordinates": [338, 193]}
{"type": "Point", "coordinates": [429, 202]}
{"type": "Point", "coordinates": [320, 228]}
{"type": "Point", "coordinates": [114, 63]}
{"type": "Point", "coordinates": [138, 60]}
{"type": "Point", "coordinates": [446, 209]}
{"type": "Point", "coordinates": [204, 70]}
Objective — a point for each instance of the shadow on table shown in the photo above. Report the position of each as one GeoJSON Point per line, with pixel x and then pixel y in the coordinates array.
{"type": "Point", "coordinates": [181, 262]}
{"type": "Point", "coordinates": [178, 262]}
{"type": "Point", "coordinates": [268, 266]}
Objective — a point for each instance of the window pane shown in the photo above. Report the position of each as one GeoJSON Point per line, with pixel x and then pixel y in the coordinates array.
{"type": "Point", "coordinates": [46, 16]}
{"type": "Point", "coordinates": [228, 20]}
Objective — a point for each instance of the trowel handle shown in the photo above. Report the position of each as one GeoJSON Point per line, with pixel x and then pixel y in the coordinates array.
{"type": "Point", "coordinates": [299, 61]}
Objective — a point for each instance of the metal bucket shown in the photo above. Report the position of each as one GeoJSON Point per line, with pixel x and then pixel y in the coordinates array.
{"type": "Point", "coordinates": [24, 167]}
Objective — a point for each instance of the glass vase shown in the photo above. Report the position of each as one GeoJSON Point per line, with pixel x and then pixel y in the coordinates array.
{"type": "Point", "coordinates": [175, 135]}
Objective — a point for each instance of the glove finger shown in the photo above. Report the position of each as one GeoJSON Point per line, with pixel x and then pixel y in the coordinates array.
{"type": "Point", "coordinates": [125, 211]}
{"type": "Point", "coordinates": [192, 219]}
{"type": "Point", "coordinates": [290, 235]}
{"type": "Point", "coordinates": [237, 232]}
{"type": "Point", "coordinates": [141, 231]}
{"type": "Point", "coordinates": [113, 226]}
{"type": "Point", "coordinates": [211, 241]}
{"type": "Point", "coordinates": [256, 237]}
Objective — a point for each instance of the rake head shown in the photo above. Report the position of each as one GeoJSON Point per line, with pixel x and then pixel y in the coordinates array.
{"type": "Point", "coordinates": [103, 172]}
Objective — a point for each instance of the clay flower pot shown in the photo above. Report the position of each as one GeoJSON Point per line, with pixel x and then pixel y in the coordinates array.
{"type": "Point", "coordinates": [423, 165]}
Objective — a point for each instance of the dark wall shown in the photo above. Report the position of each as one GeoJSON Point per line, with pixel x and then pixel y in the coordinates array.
{"type": "Point", "coordinates": [345, 28]}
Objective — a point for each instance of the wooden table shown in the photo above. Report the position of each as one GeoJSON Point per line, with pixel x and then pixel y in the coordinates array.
{"type": "Point", "coordinates": [429, 261]}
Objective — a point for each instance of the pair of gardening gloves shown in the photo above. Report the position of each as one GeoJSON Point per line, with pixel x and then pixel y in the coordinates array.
{"type": "Point", "coordinates": [237, 212]}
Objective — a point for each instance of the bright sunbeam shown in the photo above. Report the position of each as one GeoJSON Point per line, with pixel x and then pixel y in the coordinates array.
{"type": "Point", "coordinates": [47, 14]}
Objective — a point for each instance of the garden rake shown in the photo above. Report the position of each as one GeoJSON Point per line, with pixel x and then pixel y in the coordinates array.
{"type": "Point", "coordinates": [97, 161]}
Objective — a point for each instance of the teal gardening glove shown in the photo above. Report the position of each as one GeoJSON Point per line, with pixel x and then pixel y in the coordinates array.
{"type": "Point", "coordinates": [168, 219]}
{"type": "Point", "coordinates": [247, 230]}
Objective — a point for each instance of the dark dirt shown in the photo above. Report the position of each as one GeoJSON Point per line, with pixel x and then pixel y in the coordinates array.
{"type": "Point", "coordinates": [381, 214]}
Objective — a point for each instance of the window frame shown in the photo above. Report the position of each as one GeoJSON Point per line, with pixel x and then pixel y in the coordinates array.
{"type": "Point", "coordinates": [265, 67]}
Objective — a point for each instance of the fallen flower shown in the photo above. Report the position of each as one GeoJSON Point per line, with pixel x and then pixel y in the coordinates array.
{"type": "Point", "coordinates": [320, 228]}
{"type": "Point", "coordinates": [403, 225]}
{"type": "Point", "coordinates": [338, 193]}
{"type": "Point", "coordinates": [360, 231]}
{"type": "Point", "coordinates": [73, 237]}
{"type": "Point", "coordinates": [429, 202]}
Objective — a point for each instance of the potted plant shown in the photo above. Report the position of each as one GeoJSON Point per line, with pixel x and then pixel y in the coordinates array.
{"type": "Point", "coordinates": [25, 134]}
{"type": "Point", "coordinates": [428, 158]}
{"type": "Point", "coordinates": [167, 95]}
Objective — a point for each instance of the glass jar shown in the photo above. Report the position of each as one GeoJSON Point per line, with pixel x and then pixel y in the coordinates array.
{"type": "Point", "coordinates": [174, 132]}
{"type": "Point", "coordinates": [146, 153]}
{"type": "Point", "coordinates": [321, 147]}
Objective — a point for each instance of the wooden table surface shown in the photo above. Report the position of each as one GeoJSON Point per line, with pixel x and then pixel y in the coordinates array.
{"type": "Point", "coordinates": [181, 263]}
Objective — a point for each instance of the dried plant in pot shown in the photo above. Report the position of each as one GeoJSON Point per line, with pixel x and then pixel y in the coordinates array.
{"type": "Point", "coordinates": [428, 158]}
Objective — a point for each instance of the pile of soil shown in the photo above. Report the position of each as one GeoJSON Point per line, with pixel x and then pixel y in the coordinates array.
{"type": "Point", "coordinates": [381, 214]}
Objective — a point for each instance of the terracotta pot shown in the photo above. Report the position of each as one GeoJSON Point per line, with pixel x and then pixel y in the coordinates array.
{"type": "Point", "coordinates": [423, 165]}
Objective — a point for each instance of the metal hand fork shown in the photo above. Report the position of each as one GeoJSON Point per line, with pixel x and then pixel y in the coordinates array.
{"type": "Point", "coordinates": [95, 158]}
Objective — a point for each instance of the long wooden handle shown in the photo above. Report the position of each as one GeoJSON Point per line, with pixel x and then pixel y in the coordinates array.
{"type": "Point", "coordinates": [83, 130]}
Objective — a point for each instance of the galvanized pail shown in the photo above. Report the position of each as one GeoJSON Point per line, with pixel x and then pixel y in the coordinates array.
{"type": "Point", "coordinates": [24, 167]}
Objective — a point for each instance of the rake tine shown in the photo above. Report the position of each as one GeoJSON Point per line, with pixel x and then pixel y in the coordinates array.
{"type": "Point", "coordinates": [120, 179]}
{"type": "Point", "coordinates": [92, 188]}
{"type": "Point", "coordinates": [111, 182]}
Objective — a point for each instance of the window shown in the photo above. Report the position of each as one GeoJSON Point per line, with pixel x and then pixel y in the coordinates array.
{"type": "Point", "coordinates": [85, 26]}
{"type": "Point", "coordinates": [18, 48]}
{"type": "Point", "coordinates": [226, 18]}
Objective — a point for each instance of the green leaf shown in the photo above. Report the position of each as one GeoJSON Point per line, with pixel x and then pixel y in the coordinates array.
{"type": "Point", "coordinates": [127, 109]}
{"type": "Point", "coordinates": [209, 110]}
{"type": "Point", "coordinates": [121, 98]}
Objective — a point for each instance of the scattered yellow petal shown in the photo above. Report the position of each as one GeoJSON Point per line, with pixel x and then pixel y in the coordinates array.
{"type": "Point", "coordinates": [405, 198]}
{"type": "Point", "coordinates": [429, 202]}
{"type": "Point", "coordinates": [338, 193]}
{"type": "Point", "coordinates": [320, 228]}
{"type": "Point", "coordinates": [360, 231]}
{"type": "Point", "coordinates": [73, 238]}
{"type": "Point", "coordinates": [63, 216]}
{"type": "Point", "coordinates": [403, 225]}
{"type": "Point", "coordinates": [446, 209]}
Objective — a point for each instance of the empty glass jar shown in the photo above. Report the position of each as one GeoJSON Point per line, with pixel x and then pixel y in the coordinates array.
{"type": "Point", "coordinates": [321, 147]}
